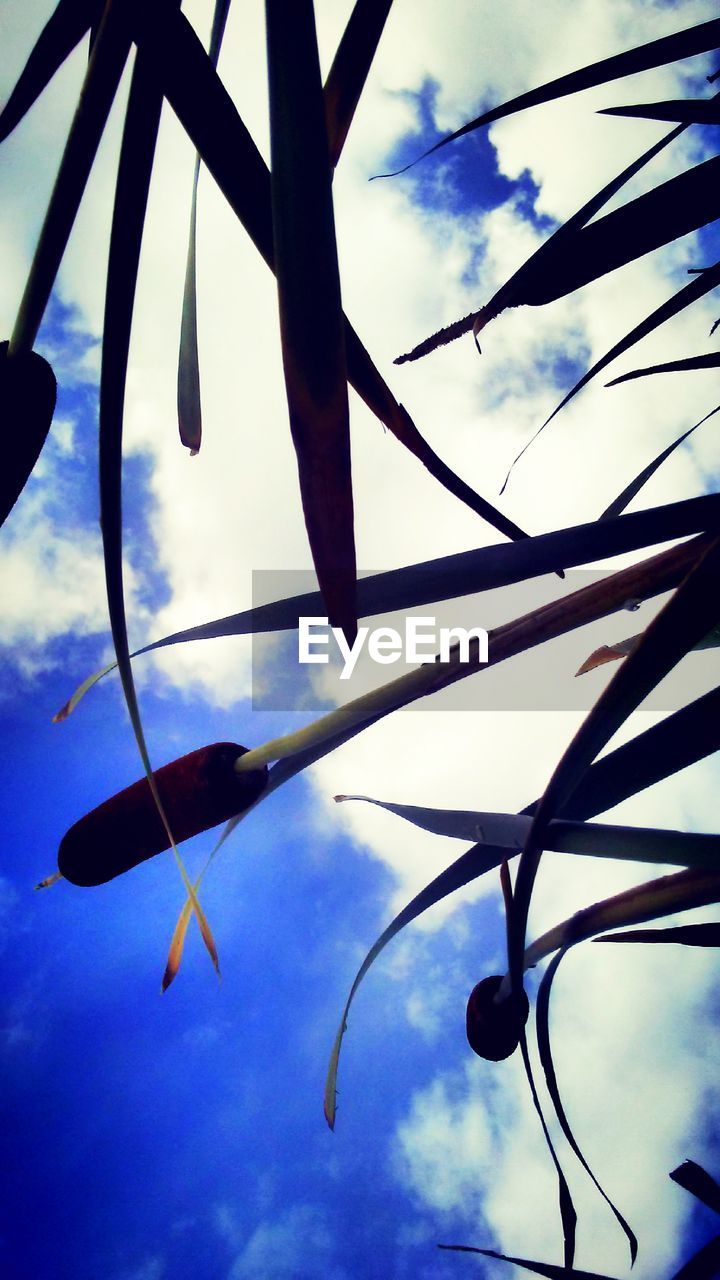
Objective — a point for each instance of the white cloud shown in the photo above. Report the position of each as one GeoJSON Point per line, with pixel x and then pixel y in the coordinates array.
{"type": "Point", "coordinates": [292, 1244]}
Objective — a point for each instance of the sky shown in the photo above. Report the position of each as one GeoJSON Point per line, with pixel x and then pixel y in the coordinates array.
{"type": "Point", "coordinates": [150, 1136]}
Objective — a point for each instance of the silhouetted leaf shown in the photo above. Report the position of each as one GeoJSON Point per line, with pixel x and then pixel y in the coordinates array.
{"type": "Point", "coordinates": [699, 1183]}
{"type": "Point", "coordinates": [348, 73]}
{"type": "Point", "coordinates": [630, 491]}
{"type": "Point", "coordinates": [621, 648]}
{"type": "Point", "coordinates": [311, 317]}
{"type": "Point", "coordinates": [28, 392]}
{"type": "Point", "coordinates": [65, 28]}
{"type": "Point", "coordinates": [545, 263]}
{"type": "Point", "coordinates": [687, 935]}
{"type": "Point", "coordinates": [704, 1265]}
{"type": "Point", "coordinates": [134, 171]}
{"type": "Point", "coordinates": [687, 617]}
{"type": "Point", "coordinates": [461, 574]}
{"type": "Point", "coordinates": [538, 1268]}
{"type": "Point", "coordinates": [683, 44]}
{"type": "Point", "coordinates": [188, 388]}
{"type": "Point", "coordinates": [674, 306]}
{"type": "Point", "coordinates": [99, 88]}
{"type": "Point", "coordinates": [684, 110]}
{"type": "Point", "coordinates": [210, 118]}
{"type": "Point", "coordinates": [709, 361]}
{"type": "Point", "coordinates": [548, 1066]}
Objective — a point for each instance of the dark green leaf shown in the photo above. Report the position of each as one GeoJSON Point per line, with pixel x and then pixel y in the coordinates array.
{"type": "Point", "coordinates": [630, 491]}
{"type": "Point", "coordinates": [311, 316]}
{"type": "Point", "coordinates": [69, 22]}
{"type": "Point", "coordinates": [568, 1213]}
{"type": "Point", "coordinates": [699, 1183]}
{"type": "Point", "coordinates": [683, 44]}
{"type": "Point", "coordinates": [348, 73]}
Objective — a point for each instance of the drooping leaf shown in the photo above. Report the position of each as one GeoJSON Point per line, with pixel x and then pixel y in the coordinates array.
{"type": "Point", "coordinates": [681, 739]}
{"type": "Point", "coordinates": [699, 1183]}
{"type": "Point", "coordinates": [688, 616]}
{"type": "Point", "coordinates": [65, 28]}
{"type": "Point", "coordinates": [631, 490]}
{"type": "Point", "coordinates": [461, 574]}
{"type": "Point", "coordinates": [684, 298]}
{"type": "Point", "coordinates": [687, 935]}
{"type": "Point", "coordinates": [666, 896]}
{"type": "Point", "coordinates": [547, 1269]}
{"type": "Point", "coordinates": [133, 181]}
{"type": "Point", "coordinates": [349, 70]}
{"type": "Point", "coordinates": [545, 263]}
{"type": "Point", "coordinates": [188, 386]}
{"type": "Point", "coordinates": [548, 1066]}
{"type": "Point", "coordinates": [210, 118]}
{"type": "Point", "coordinates": [709, 361]}
{"type": "Point", "coordinates": [684, 110]}
{"type": "Point", "coordinates": [98, 91]}
{"type": "Point", "coordinates": [311, 317]}
{"type": "Point", "coordinates": [593, 839]}
{"type": "Point", "coordinates": [28, 392]}
{"type": "Point", "coordinates": [568, 1213]}
{"type": "Point", "coordinates": [657, 53]}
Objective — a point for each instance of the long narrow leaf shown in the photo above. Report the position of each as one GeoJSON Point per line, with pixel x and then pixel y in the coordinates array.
{"type": "Point", "coordinates": [548, 1066]}
{"type": "Point", "coordinates": [349, 71]}
{"type": "Point", "coordinates": [687, 935]}
{"type": "Point", "coordinates": [545, 262]}
{"type": "Point", "coordinates": [631, 490]}
{"type": "Point", "coordinates": [311, 316]}
{"type": "Point", "coordinates": [684, 110]}
{"type": "Point", "coordinates": [65, 28]}
{"type": "Point", "coordinates": [101, 81]}
{"type": "Point", "coordinates": [691, 612]}
{"type": "Point", "coordinates": [134, 172]}
{"type": "Point", "coordinates": [685, 297]}
{"type": "Point", "coordinates": [210, 118]}
{"type": "Point", "coordinates": [709, 361]}
{"type": "Point", "coordinates": [547, 1269]}
{"type": "Point", "coordinates": [461, 574]}
{"type": "Point", "coordinates": [704, 1265]}
{"type": "Point", "coordinates": [657, 53]}
{"type": "Point", "coordinates": [594, 839]}
{"type": "Point", "coordinates": [621, 648]}
{"type": "Point", "coordinates": [188, 386]}
{"type": "Point", "coordinates": [568, 1213]}
{"type": "Point", "coordinates": [679, 740]}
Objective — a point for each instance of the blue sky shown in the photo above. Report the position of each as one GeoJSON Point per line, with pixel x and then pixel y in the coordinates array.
{"type": "Point", "coordinates": [183, 1135]}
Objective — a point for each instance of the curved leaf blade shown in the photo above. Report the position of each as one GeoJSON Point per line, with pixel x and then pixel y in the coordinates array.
{"type": "Point", "coordinates": [633, 488]}
{"type": "Point", "coordinates": [709, 361]}
{"type": "Point", "coordinates": [349, 70]}
{"type": "Point", "coordinates": [65, 28]}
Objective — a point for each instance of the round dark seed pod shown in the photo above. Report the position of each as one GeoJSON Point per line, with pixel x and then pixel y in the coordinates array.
{"type": "Point", "coordinates": [197, 791]}
{"type": "Point", "coordinates": [493, 1030]}
{"type": "Point", "coordinates": [27, 402]}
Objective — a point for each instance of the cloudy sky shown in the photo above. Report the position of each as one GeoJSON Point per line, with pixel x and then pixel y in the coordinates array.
{"type": "Point", "coordinates": [183, 1135]}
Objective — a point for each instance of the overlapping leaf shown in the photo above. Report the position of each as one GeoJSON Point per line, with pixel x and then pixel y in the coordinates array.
{"type": "Point", "coordinates": [65, 28]}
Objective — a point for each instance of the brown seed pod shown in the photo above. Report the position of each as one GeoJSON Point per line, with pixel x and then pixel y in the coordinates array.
{"type": "Point", "coordinates": [197, 791]}
{"type": "Point", "coordinates": [27, 402]}
{"type": "Point", "coordinates": [493, 1030]}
